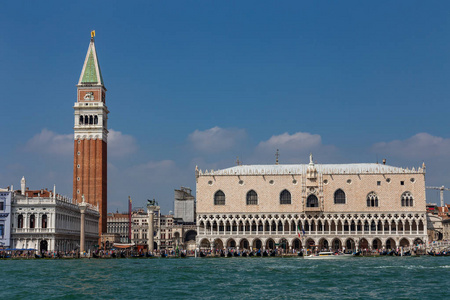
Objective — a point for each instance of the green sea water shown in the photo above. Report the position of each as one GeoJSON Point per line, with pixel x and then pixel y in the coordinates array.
{"type": "Point", "coordinates": [227, 278]}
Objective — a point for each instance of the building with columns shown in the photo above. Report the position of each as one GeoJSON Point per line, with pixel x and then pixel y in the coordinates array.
{"type": "Point", "coordinates": [118, 223]}
{"type": "Point", "coordinates": [5, 218]}
{"type": "Point", "coordinates": [139, 228]}
{"type": "Point", "coordinates": [329, 206]}
{"type": "Point", "coordinates": [46, 221]}
{"type": "Point", "coordinates": [91, 137]}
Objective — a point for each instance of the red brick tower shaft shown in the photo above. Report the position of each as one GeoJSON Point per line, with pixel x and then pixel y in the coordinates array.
{"type": "Point", "coordinates": [91, 137]}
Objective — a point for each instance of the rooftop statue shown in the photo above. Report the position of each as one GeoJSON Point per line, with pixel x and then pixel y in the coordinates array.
{"type": "Point", "coordinates": [152, 202]}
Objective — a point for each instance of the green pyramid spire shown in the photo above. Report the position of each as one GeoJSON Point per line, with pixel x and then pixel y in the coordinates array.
{"type": "Point", "coordinates": [91, 73]}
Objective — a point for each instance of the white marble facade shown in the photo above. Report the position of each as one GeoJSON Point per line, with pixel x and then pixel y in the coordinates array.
{"type": "Point", "coordinates": [48, 222]}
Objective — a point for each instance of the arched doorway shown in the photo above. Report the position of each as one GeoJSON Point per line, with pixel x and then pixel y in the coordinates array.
{"type": "Point", "coordinates": [363, 244]}
{"type": "Point", "coordinates": [231, 243]}
{"type": "Point", "coordinates": [190, 236]}
{"type": "Point", "coordinates": [205, 245]}
{"type": "Point", "coordinates": [218, 244]}
{"type": "Point", "coordinates": [43, 245]}
{"type": "Point", "coordinates": [155, 246]}
{"type": "Point", "coordinates": [270, 244]}
{"type": "Point", "coordinates": [296, 244]}
{"type": "Point", "coordinates": [244, 244]}
{"type": "Point", "coordinates": [310, 243]}
{"type": "Point", "coordinates": [257, 244]}
{"type": "Point", "coordinates": [337, 244]}
{"type": "Point", "coordinates": [350, 244]}
{"type": "Point", "coordinates": [323, 244]}
{"type": "Point", "coordinates": [376, 244]}
{"type": "Point", "coordinates": [283, 244]}
{"type": "Point", "coordinates": [390, 244]}
{"type": "Point", "coordinates": [404, 242]}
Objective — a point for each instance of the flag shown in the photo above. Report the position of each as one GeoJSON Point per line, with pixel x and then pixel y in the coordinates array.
{"type": "Point", "coordinates": [300, 232]}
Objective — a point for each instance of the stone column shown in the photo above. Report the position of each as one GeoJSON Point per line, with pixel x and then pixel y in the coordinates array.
{"type": "Point", "coordinates": [83, 207]}
{"type": "Point", "coordinates": [150, 230]}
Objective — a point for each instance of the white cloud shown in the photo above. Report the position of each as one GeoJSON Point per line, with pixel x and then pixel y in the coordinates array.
{"type": "Point", "coordinates": [298, 141]}
{"type": "Point", "coordinates": [120, 144]}
{"type": "Point", "coordinates": [49, 142]}
{"type": "Point", "coordinates": [294, 148]}
{"type": "Point", "coordinates": [420, 146]}
{"type": "Point", "coordinates": [216, 139]}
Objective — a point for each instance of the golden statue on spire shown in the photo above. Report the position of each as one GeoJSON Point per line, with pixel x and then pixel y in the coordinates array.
{"type": "Point", "coordinates": [92, 33]}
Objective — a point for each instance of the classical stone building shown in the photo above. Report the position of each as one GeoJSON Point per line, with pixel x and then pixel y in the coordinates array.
{"type": "Point", "coordinates": [46, 221]}
{"type": "Point", "coordinates": [139, 228]}
{"type": "Point", "coordinates": [446, 229]}
{"type": "Point", "coordinates": [118, 223]}
{"type": "Point", "coordinates": [5, 218]}
{"type": "Point", "coordinates": [91, 137]}
{"type": "Point", "coordinates": [436, 215]}
{"type": "Point", "coordinates": [367, 206]}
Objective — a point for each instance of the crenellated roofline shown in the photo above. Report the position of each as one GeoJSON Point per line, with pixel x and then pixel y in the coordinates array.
{"type": "Point", "coordinates": [301, 169]}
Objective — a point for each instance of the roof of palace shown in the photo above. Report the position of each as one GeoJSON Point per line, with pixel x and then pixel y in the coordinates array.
{"type": "Point", "coordinates": [91, 73]}
{"type": "Point", "coordinates": [364, 168]}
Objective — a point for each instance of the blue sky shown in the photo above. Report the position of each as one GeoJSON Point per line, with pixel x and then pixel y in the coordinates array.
{"type": "Point", "coordinates": [202, 82]}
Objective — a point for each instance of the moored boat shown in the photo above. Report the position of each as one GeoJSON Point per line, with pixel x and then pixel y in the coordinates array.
{"type": "Point", "coordinates": [328, 255]}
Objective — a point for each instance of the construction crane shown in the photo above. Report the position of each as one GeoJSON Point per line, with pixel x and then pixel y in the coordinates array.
{"type": "Point", "coordinates": [442, 189]}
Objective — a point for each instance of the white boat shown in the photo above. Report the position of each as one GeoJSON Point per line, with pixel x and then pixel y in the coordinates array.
{"type": "Point", "coordinates": [328, 255]}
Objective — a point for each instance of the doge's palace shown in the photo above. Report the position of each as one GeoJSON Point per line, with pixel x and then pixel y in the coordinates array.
{"type": "Point", "coordinates": [330, 206]}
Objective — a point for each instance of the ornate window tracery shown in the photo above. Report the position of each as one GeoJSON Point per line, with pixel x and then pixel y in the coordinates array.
{"type": "Point", "coordinates": [252, 198]}
{"type": "Point", "coordinates": [339, 197]}
{"type": "Point", "coordinates": [312, 201]}
{"type": "Point", "coordinates": [219, 198]}
{"type": "Point", "coordinates": [407, 199]}
{"type": "Point", "coordinates": [285, 197]}
{"type": "Point", "coordinates": [372, 200]}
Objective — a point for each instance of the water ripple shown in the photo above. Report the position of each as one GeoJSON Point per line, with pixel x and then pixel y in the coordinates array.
{"type": "Point", "coordinates": [226, 278]}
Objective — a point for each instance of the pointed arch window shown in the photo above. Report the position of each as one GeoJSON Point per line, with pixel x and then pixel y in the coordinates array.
{"type": "Point", "coordinates": [95, 120]}
{"type": "Point", "coordinates": [252, 198]}
{"type": "Point", "coordinates": [372, 200]}
{"type": "Point", "coordinates": [339, 197]}
{"type": "Point", "coordinates": [80, 122]}
{"type": "Point", "coordinates": [312, 201]}
{"type": "Point", "coordinates": [285, 197]}
{"type": "Point", "coordinates": [407, 199]}
{"type": "Point", "coordinates": [91, 120]}
{"type": "Point", "coordinates": [219, 198]}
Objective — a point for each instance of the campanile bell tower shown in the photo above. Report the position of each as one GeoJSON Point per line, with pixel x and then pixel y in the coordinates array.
{"type": "Point", "coordinates": [91, 137]}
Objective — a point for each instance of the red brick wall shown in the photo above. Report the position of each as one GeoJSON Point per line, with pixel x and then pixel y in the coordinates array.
{"type": "Point", "coordinates": [92, 174]}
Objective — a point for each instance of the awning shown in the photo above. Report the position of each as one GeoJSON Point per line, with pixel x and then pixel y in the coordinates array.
{"type": "Point", "coordinates": [9, 249]}
{"type": "Point", "coordinates": [122, 246]}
